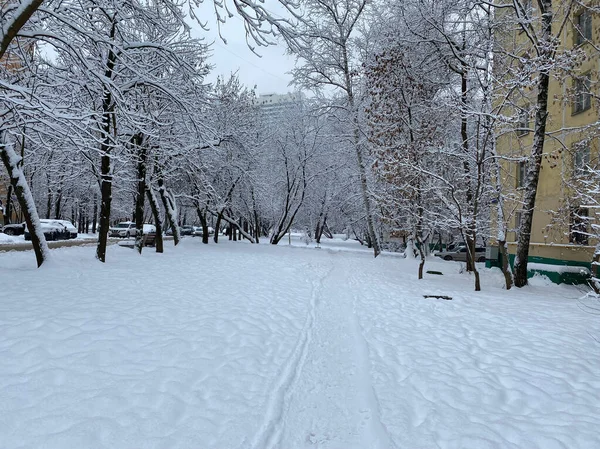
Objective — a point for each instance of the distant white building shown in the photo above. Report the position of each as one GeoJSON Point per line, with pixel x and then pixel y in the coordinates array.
{"type": "Point", "coordinates": [272, 105]}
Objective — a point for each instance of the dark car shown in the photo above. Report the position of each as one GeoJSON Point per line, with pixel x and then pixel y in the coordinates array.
{"type": "Point", "coordinates": [52, 229]}
{"type": "Point", "coordinates": [460, 254]}
{"type": "Point", "coordinates": [14, 229]}
{"type": "Point", "coordinates": [186, 230]}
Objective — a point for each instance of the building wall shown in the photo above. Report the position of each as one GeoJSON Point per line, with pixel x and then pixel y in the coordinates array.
{"type": "Point", "coordinates": [551, 238]}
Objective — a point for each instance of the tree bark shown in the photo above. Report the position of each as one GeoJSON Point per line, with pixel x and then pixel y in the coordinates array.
{"type": "Point", "coordinates": [218, 226]}
{"type": "Point", "coordinates": [364, 188]}
{"type": "Point", "coordinates": [233, 224]}
{"type": "Point", "coordinates": [105, 203]}
{"type": "Point", "coordinates": [17, 22]}
{"type": "Point", "coordinates": [49, 201]}
{"type": "Point", "coordinates": [142, 153]}
{"type": "Point", "coordinates": [203, 223]}
{"type": "Point", "coordinates": [58, 204]}
{"type": "Point", "coordinates": [8, 208]}
{"type": "Point", "coordinates": [535, 160]}
{"type": "Point", "coordinates": [156, 215]}
{"type": "Point", "coordinates": [95, 217]}
{"type": "Point", "coordinates": [108, 119]}
{"type": "Point", "coordinates": [170, 210]}
{"type": "Point", "coordinates": [18, 182]}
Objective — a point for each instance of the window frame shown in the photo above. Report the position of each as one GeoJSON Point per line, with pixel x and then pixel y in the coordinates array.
{"type": "Point", "coordinates": [582, 30]}
{"type": "Point", "coordinates": [523, 125]}
{"type": "Point", "coordinates": [518, 219]}
{"type": "Point", "coordinates": [521, 173]}
{"type": "Point", "coordinates": [581, 165]}
{"type": "Point", "coordinates": [583, 94]}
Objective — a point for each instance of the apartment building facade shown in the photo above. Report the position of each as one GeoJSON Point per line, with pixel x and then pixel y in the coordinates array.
{"type": "Point", "coordinates": [560, 234]}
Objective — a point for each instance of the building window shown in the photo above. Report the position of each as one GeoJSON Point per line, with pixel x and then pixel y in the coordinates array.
{"type": "Point", "coordinates": [579, 234]}
{"type": "Point", "coordinates": [583, 97]}
{"type": "Point", "coordinates": [518, 218]}
{"type": "Point", "coordinates": [521, 173]}
{"type": "Point", "coordinates": [523, 124]}
{"type": "Point", "coordinates": [583, 27]}
{"type": "Point", "coordinates": [581, 159]}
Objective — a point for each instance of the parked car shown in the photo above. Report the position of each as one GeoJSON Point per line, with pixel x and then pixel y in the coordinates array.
{"type": "Point", "coordinates": [127, 229]}
{"type": "Point", "coordinates": [186, 230]}
{"type": "Point", "coordinates": [460, 254]}
{"type": "Point", "coordinates": [124, 229]}
{"type": "Point", "coordinates": [148, 229]}
{"type": "Point", "coordinates": [71, 229]}
{"type": "Point", "coordinates": [198, 232]}
{"type": "Point", "coordinates": [14, 229]}
{"type": "Point", "coordinates": [52, 229]}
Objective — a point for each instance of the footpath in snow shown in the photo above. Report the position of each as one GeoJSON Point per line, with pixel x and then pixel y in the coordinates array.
{"type": "Point", "coordinates": [253, 346]}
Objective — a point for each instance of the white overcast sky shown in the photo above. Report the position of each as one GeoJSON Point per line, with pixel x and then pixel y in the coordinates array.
{"type": "Point", "coordinates": [267, 73]}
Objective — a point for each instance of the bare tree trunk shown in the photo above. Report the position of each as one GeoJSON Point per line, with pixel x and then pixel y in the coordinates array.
{"type": "Point", "coordinates": [58, 204]}
{"type": "Point", "coordinates": [17, 179]}
{"type": "Point", "coordinates": [321, 225]}
{"type": "Point", "coordinates": [469, 232]}
{"type": "Point", "coordinates": [49, 201]}
{"type": "Point", "coordinates": [142, 153]}
{"type": "Point", "coordinates": [95, 217]}
{"type": "Point", "coordinates": [218, 227]}
{"type": "Point", "coordinates": [108, 125]}
{"type": "Point", "coordinates": [419, 245]}
{"type": "Point", "coordinates": [105, 203]}
{"type": "Point", "coordinates": [233, 224]}
{"type": "Point", "coordinates": [362, 171]}
{"type": "Point", "coordinates": [156, 215]}
{"type": "Point", "coordinates": [256, 224]}
{"type": "Point", "coordinates": [8, 208]}
{"type": "Point", "coordinates": [501, 237]}
{"type": "Point", "coordinates": [535, 160]}
{"type": "Point", "coordinates": [204, 223]}
{"type": "Point", "coordinates": [18, 21]}
{"type": "Point", "coordinates": [170, 210]}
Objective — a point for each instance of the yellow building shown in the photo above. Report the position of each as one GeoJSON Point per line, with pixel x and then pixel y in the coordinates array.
{"type": "Point", "coordinates": [559, 230]}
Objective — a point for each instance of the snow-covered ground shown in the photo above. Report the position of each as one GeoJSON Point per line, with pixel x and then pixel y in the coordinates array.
{"type": "Point", "coordinates": [8, 239]}
{"type": "Point", "coordinates": [12, 239]}
{"type": "Point", "coordinates": [253, 346]}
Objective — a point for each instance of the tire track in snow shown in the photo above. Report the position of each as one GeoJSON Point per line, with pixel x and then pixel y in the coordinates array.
{"type": "Point", "coordinates": [379, 437]}
{"type": "Point", "coordinates": [269, 434]}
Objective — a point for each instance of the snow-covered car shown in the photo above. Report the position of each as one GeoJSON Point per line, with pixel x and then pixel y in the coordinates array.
{"type": "Point", "coordinates": [71, 229]}
{"type": "Point", "coordinates": [123, 229]}
{"type": "Point", "coordinates": [149, 229]}
{"type": "Point", "coordinates": [14, 229]}
{"type": "Point", "coordinates": [52, 229]}
{"type": "Point", "coordinates": [460, 254]}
